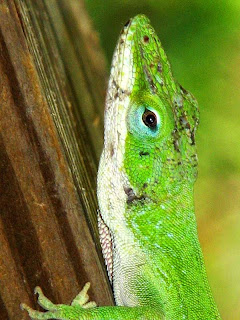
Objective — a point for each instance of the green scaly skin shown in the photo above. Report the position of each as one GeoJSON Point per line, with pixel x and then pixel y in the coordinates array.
{"type": "Point", "coordinates": [145, 189]}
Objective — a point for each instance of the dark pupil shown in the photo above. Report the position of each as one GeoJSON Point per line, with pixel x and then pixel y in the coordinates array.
{"type": "Point", "coordinates": [149, 119]}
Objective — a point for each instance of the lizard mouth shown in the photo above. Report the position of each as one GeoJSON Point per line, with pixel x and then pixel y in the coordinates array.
{"type": "Point", "coordinates": [123, 77]}
{"type": "Point", "coordinates": [112, 174]}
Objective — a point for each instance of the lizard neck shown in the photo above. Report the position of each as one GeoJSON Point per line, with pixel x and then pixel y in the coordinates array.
{"type": "Point", "coordinates": [166, 231]}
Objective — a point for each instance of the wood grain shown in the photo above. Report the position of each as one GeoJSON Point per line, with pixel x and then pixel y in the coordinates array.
{"type": "Point", "coordinates": [52, 94]}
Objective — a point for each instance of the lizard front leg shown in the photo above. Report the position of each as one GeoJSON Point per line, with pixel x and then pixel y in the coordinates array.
{"type": "Point", "coordinates": [60, 311]}
{"type": "Point", "coordinates": [82, 309]}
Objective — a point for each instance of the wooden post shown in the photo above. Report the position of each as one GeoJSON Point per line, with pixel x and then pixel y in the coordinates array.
{"type": "Point", "coordinates": [51, 106]}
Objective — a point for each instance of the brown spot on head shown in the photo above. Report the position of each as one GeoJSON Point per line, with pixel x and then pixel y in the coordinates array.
{"type": "Point", "coordinates": [153, 86]}
{"type": "Point", "coordinates": [149, 79]}
{"type": "Point", "coordinates": [184, 122]}
{"type": "Point", "coordinates": [130, 194]}
{"type": "Point", "coordinates": [175, 135]}
{"type": "Point", "coordinates": [193, 137]}
{"type": "Point", "coordinates": [176, 145]}
{"type": "Point", "coordinates": [146, 39]}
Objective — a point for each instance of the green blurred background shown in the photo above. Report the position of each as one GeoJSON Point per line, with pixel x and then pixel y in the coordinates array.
{"type": "Point", "coordinates": [202, 41]}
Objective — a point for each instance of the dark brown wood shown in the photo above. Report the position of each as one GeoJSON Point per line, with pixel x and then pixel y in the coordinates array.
{"type": "Point", "coordinates": [51, 100]}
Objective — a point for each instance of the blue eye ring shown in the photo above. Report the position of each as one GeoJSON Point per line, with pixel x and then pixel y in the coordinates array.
{"type": "Point", "coordinates": [146, 117]}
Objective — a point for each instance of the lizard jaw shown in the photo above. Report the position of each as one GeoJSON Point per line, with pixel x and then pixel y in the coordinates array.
{"type": "Point", "coordinates": [120, 251]}
{"type": "Point", "coordinates": [111, 173]}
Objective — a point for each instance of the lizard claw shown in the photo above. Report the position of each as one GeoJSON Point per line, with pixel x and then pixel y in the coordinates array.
{"type": "Point", "coordinates": [82, 298]}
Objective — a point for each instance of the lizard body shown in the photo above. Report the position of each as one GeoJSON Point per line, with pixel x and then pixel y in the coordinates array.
{"type": "Point", "coordinates": [145, 191]}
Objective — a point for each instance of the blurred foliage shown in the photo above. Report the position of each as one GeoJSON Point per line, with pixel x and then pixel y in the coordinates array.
{"type": "Point", "coordinates": [202, 41]}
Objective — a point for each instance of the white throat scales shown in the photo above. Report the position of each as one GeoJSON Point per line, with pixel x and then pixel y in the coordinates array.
{"type": "Point", "coordinates": [117, 251]}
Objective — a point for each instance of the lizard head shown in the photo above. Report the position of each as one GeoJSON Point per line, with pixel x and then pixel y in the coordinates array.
{"type": "Point", "coordinates": [150, 123]}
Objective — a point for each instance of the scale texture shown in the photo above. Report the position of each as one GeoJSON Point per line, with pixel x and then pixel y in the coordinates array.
{"type": "Point", "coordinates": [146, 177]}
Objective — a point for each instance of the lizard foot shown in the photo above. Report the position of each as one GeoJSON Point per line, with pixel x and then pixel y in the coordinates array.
{"type": "Point", "coordinates": [82, 298]}
{"type": "Point", "coordinates": [60, 311]}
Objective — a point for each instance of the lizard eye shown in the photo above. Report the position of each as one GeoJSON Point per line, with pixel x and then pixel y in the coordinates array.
{"type": "Point", "coordinates": [149, 118]}
{"type": "Point", "coordinates": [145, 119]}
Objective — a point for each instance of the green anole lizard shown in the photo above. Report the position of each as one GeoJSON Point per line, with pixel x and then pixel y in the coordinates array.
{"type": "Point", "coordinates": [145, 191]}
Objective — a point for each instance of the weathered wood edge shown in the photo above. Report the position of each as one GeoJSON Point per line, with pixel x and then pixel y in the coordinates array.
{"type": "Point", "coordinates": [49, 147]}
